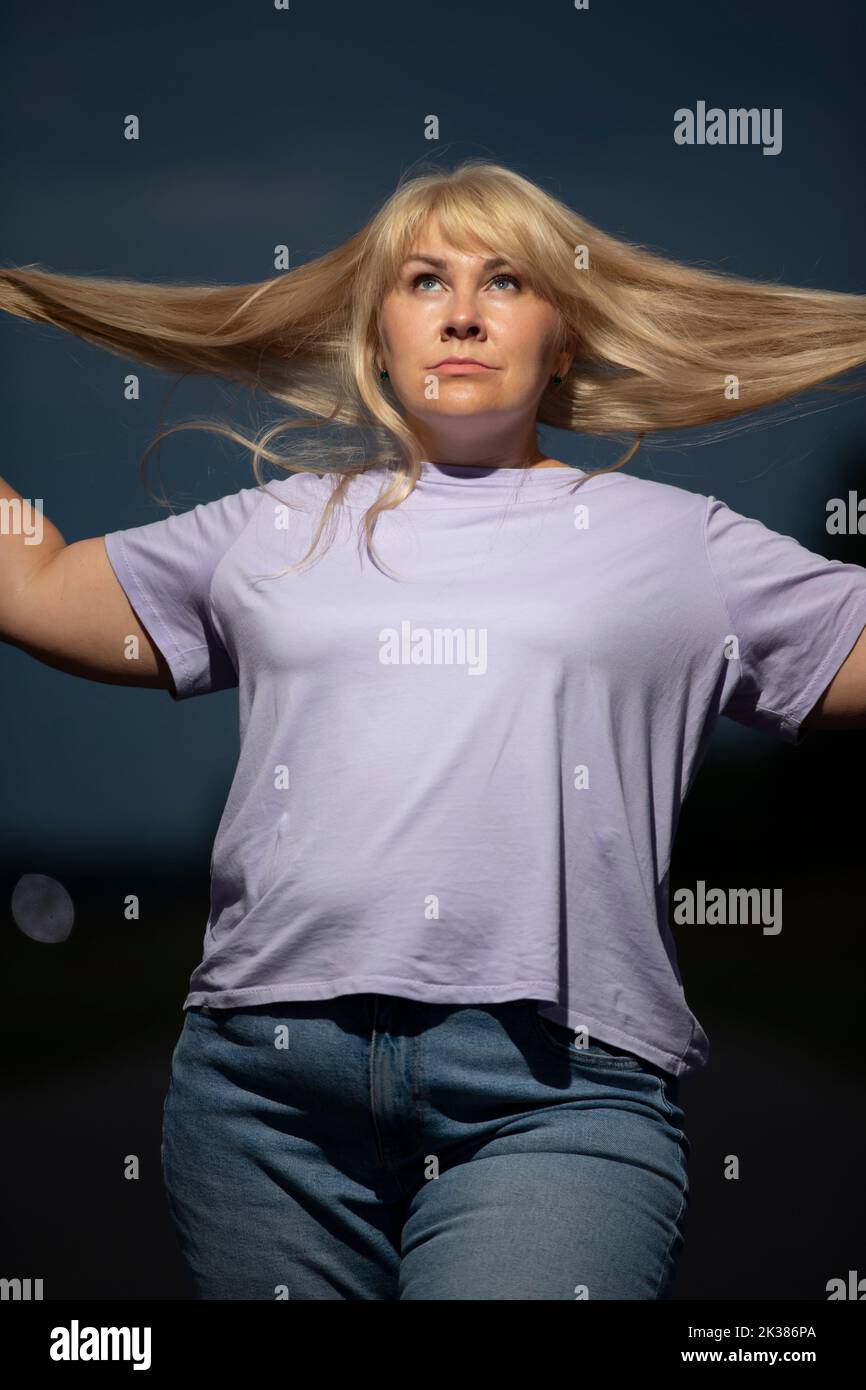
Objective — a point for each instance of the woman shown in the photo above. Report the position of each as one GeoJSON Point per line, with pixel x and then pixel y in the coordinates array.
{"type": "Point", "coordinates": [434, 1046]}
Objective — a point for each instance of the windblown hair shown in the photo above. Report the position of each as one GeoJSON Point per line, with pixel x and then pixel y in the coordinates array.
{"type": "Point", "coordinates": [658, 342]}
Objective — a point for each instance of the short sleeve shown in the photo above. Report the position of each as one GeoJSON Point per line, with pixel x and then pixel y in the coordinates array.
{"type": "Point", "coordinates": [795, 614]}
{"type": "Point", "coordinates": [165, 569]}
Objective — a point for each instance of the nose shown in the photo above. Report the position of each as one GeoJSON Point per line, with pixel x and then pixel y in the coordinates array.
{"type": "Point", "coordinates": [463, 326]}
{"type": "Point", "coordinates": [463, 318]}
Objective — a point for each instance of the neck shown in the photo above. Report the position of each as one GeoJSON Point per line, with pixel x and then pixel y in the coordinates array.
{"type": "Point", "coordinates": [499, 447]}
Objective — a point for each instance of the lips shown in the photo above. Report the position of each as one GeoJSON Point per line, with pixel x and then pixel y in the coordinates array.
{"type": "Point", "coordinates": [460, 362]}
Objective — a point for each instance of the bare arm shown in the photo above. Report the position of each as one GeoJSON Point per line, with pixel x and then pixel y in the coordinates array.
{"type": "Point", "coordinates": [64, 605]}
{"type": "Point", "coordinates": [843, 703]}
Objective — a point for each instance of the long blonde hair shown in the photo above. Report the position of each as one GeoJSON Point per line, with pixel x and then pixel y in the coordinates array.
{"type": "Point", "coordinates": [660, 345]}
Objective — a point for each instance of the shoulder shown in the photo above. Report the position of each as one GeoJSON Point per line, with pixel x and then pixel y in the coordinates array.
{"type": "Point", "coordinates": [301, 489]}
{"type": "Point", "coordinates": [654, 502]}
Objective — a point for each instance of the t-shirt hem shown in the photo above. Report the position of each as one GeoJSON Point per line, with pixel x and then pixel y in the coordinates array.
{"type": "Point", "coordinates": [542, 991]}
{"type": "Point", "coordinates": [423, 993]}
{"type": "Point", "coordinates": [676, 1062]}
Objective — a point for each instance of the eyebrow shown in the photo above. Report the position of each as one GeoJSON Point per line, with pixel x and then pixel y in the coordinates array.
{"type": "Point", "coordinates": [490, 264]}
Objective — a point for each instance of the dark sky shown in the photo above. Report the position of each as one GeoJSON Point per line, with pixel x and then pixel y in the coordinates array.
{"type": "Point", "coordinates": [262, 126]}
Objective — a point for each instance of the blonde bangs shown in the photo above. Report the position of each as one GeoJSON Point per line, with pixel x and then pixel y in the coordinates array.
{"type": "Point", "coordinates": [476, 215]}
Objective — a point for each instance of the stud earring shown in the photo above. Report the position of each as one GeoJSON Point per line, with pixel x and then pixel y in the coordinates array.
{"type": "Point", "coordinates": [557, 380]}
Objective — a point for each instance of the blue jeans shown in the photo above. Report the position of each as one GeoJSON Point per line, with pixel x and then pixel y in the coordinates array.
{"type": "Point", "coordinates": [375, 1147]}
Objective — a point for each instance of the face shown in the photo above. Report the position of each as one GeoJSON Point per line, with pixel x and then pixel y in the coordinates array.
{"type": "Point", "coordinates": [453, 304]}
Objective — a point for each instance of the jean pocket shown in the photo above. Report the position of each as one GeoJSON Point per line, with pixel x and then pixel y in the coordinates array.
{"type": "Point", "coordinates": [561, 1041]}
{"type": "Point", "coordinates": [242, 1026]}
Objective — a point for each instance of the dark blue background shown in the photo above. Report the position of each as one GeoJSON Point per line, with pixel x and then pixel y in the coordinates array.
{"type": "Point", "coordinates": [261, 127]}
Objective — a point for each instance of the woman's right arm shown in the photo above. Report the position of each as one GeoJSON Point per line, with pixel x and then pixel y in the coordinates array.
{"type": "Point", "coordinates": [64, 605]}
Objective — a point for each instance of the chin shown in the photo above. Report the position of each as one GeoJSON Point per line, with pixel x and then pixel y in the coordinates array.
{"type": "Point", "coordinates": [456, 410]}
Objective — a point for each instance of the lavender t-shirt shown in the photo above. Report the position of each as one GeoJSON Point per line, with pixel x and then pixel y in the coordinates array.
{"type": "Point", "coordinates": [459, 782]}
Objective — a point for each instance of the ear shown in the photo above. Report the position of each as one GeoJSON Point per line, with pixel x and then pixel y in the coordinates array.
{"type": "Point", "coordinates": [567, 356]}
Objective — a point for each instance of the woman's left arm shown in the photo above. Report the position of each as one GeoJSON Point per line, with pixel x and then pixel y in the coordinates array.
{"type": "Point", "coordinates": [843, 704]}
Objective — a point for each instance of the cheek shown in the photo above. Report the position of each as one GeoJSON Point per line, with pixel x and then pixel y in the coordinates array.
{"type": "Point", "coordinates": [527, 362]}
{"type": "Point", "coordinates": [400, 337]}
{"type": "Point", "coordinates": [543, 338]}
{"type": "Point", "coordinates": [528, 336]}
{"type": "Point", "coordinates": [393, 322]}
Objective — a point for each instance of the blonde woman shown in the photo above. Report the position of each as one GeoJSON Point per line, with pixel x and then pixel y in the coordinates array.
{"type": "Point", "coordinates": [434, 1047]}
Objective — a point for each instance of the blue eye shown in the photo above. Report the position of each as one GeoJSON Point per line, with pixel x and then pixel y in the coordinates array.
{"type": "Point", "coordinates": [419, 279]}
